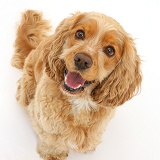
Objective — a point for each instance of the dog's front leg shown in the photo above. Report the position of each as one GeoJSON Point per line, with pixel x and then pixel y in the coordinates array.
{"type": "Point", "coordinates": [51, 147]}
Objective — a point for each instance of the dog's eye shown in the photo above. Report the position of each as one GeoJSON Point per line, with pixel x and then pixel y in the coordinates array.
{"type": "Point", "coordinates": [80, 34]}
{"type": "Point", "coordinates": [109, 51]}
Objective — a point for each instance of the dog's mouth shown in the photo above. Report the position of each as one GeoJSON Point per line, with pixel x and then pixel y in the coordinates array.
{"type": "Point", "coordinates": [73, 82]}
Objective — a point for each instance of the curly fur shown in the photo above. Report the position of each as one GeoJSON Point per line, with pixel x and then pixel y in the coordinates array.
{"type": "Point", "coordinates": [62, 120]}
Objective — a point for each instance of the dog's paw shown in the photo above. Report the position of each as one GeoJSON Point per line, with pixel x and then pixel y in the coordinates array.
{"type": "Point", "coordinates": [50, 157]}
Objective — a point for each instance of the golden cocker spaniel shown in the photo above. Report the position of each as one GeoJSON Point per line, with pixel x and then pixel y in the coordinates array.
{"type": "Point", "coordinates": [74, 79]}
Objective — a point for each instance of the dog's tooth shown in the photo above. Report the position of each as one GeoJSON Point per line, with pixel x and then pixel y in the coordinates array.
{"type": "Point", "coordinates": [78, 86]}
{"type": "Point", "coordinates": [65, 78]}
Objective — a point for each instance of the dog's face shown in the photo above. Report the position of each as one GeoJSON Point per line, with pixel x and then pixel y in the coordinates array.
{"type": "Point", "coordinates": [92, 50]}
{"type": "Point", "coordinates": [92, 47]}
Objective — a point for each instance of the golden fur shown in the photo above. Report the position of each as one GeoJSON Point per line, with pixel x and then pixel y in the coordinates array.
{"type": "Point", "coordinates": [65, 120]}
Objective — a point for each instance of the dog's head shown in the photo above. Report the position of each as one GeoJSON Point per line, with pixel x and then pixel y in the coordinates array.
{"type": "Point", "coordinates": [91, 53]}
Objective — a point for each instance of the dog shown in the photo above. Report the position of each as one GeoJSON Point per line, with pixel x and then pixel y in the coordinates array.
{"type": "Point", "coordinates": [74, 79]}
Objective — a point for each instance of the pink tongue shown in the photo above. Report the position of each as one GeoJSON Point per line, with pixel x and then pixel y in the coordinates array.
{"type": "Point", "coordinates": [74, 80]}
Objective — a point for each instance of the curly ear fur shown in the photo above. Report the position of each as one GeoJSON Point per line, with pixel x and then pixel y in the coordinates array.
{"type": "Point", "coordinates": [124, 81]}
{"type": "Point", "coordinates": [54, 65]}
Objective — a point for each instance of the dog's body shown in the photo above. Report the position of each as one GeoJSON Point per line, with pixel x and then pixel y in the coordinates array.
{"type": "Point", "coordinates": [73, 80]}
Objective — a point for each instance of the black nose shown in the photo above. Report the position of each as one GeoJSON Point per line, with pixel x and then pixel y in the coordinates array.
{"type": "Point", "coordinates": [82, 61]}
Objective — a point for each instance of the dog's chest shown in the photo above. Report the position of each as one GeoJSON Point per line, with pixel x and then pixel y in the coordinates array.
{"type": "Point", "coordinates": [82, 103]}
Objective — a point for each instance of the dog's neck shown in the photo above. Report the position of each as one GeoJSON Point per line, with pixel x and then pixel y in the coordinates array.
{"type": "Point", "coordinates": [82, 103]}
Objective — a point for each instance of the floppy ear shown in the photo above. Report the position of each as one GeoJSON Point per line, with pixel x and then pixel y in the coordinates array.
{"type": "Point", "coordinates": [54, 46]}
{"type": "Point", "coordinates": [124, 81]}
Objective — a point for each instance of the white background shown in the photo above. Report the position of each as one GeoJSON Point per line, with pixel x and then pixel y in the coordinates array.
{"type": "Point", "coordinates": [134, 132]}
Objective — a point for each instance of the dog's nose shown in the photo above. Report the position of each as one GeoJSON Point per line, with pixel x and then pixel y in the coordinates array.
{"type": "Point", "coordinates": [82, 61]}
